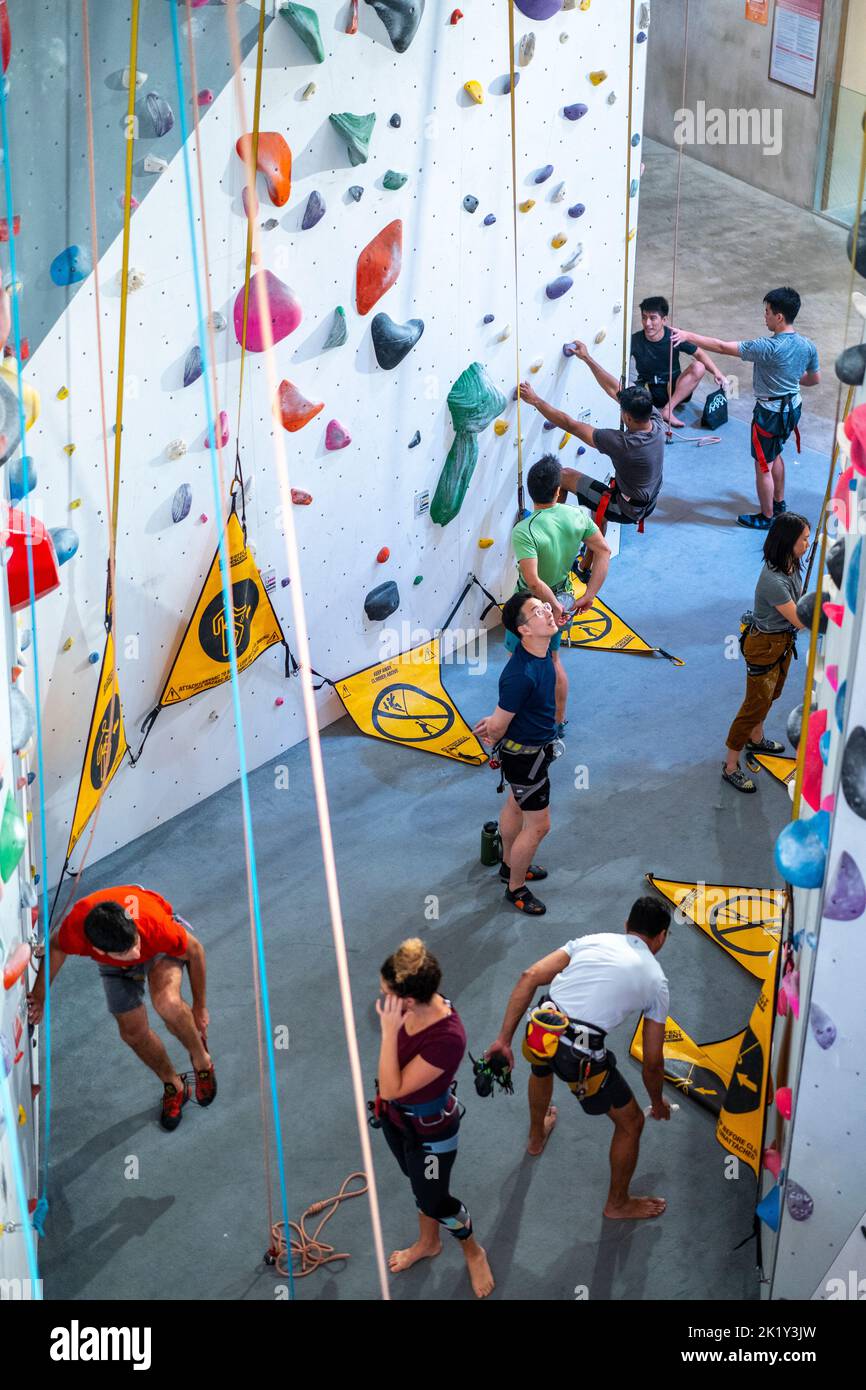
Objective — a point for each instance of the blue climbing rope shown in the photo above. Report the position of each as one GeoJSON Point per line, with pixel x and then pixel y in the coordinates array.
{"type": "Point", "coordinates": [12, 1120]}
{"type": "Point", "coordinates": [225, 574]}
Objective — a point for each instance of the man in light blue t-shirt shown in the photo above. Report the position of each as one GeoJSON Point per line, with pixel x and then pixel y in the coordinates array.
{"type": "Point", "coordinates": [782, 363]}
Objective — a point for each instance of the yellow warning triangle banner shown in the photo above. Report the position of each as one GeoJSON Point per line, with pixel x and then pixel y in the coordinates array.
{"type": "Point", "coordinates": [106, 746]}
{"type": "Point", "coordinates": [741, 1121]}
{"type": "Point", "coordinates": [600, 629]}
{"type": "Point", "coordinates": [745, 922]}
{"type": "Point", "coordinates": [783, 769]}
{"type": "Point", "coordinates": [404, 701]}
{"type": "Point", "coordinates": [701, 1071]}
{"type": "Point", "coordinates": [202, 661]}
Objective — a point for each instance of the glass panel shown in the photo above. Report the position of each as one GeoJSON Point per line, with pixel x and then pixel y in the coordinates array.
{"type": "Point", "coordinates": [843, 157]}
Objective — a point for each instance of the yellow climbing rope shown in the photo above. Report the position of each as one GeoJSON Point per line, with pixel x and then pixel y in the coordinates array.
{"type": "Point", "coordinates": [512, 85]}
{"type": "Point", "coordinates": [626, 314]}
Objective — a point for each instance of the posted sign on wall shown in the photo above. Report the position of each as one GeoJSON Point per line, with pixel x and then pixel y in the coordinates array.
{"type": "Point", "coordinates": [795, 44]}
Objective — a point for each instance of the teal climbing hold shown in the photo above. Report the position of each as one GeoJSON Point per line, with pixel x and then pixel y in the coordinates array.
{"type": "Point", "coordinates": [70, 266]}
{"type": "Point", "coordinates": [19, 486]}
{"type": "Point", "coordinates": [305, 23]}
{"type": "Point", "coordinates": [474, 403]}
{"type": "Point", "coordinates": [392, 180]}
{"type": "Point", "coordinates": [632, 188]}
{"type": "Point", "coordinates": [419, 579]}
{"type": "Point", "coordinates": [338, 332]}
{"type": "Point", "coordinates": [357, 132]}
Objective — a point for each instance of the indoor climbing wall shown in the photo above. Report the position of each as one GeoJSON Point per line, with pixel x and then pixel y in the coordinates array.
{"type": "Point", "coordinates": [405, 121]}
{"type": "Point", "coordinates": [814, 1245]}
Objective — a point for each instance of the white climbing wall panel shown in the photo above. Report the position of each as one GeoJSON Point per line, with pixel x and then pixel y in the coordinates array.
{"type": "Point", "coordinates": [455, 270]}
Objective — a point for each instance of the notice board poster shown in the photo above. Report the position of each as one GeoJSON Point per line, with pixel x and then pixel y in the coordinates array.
{"type": "Point", "coordinates": [796, 43]}
{"type": "Point", "coordinates": [757, 11]}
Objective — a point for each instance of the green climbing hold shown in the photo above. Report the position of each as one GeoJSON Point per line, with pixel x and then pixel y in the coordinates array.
{"type": "Point", "coordinates": [305, 23]}
{"type": "Point", "coordinates": [338, 332]}
{"type": "Point", "coordinates": [13, 838]}
{"type": "Point", "coordinates": [474, 403]}
{"type": "Point", "coordinates": [419, 578]}
{"type": "Point", "coordinates": [393, 180]}
{"type": "Point", "coordinates": [357, 132]}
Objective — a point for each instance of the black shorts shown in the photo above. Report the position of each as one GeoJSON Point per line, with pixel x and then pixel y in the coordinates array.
{"type": "Point", "coordinates": [526, 775]}
{"type": "Point", "coordinates": [659, 391]}
{"type": "Point", "coordinates": [772, 429]}
{"type": "Point", "coordinates": [589, 494]}
{"type": "Point", "coordinates": [612, 1094]}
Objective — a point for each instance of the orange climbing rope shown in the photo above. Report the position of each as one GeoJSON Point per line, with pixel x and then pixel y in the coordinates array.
{"type": "Point", "coordinates": [512, 86]}
{"type": "Point", "coordinates": [312, 1252]}
{"type": "Point", "coordinates": [252, 169]}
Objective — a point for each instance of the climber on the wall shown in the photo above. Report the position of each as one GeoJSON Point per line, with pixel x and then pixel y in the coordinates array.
{"type": "Point", "coordinates": [660, 372]}
{"type": "Point", "coordinates": [636, 452]}
{"type": "Point", "coordinates": [134, 935]}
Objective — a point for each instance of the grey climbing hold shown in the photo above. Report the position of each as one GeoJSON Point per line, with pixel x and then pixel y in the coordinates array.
{"type": "Point", "coordinates": [574, 111]}
{"type": "Point", "coordinates": [393, 180]}
{"type": "Point", "coordinates": [192, 367]}
{"type": "Point", "coordinates": [798, 1201]}
{"type": "Point", "coordinates": [22, 719]}
{"type": "Point", "coordinates": [851, 365]}
{"type": "Point", "coordinates": [314, 211]}
{"type": "Point", "coordinates": [560, 286]}
{"type": "Point", "coordinates": [217, 321]}
{"type": "Point", "coordinates": [858, 254]}
{"type": "Point", "coordinates": [338, 332]}
{"type": "Point", "coordinates": [10, 421]}
{"type": "Point", "coordinates": [470, 202]}
{"type": "Point", "coordinates": [853, 774]}
{"type": "Point", "coordinates": [506, 83]}
{"type": "Point", "coordinates": [836, 561]}
{"type": "Point", "coordinates": [794, 725]}
{"type": "Point", "coordinates": [401, 19]}
{"type": "Point", "coordinates": [356, 192]}
{"type": "Point", "coordinates": [611, 98]}
{"type": "Point", "coordinates": [526, 50]}
{"type": "Point", "coordinates": [393, 341]}
{"type": "Point", "coordinates": [488, 318]}
{"type": "Point", "coordinates": [160, 113]}
{"type": "Point", "coordinates": [270, 224]}
{"type": "Point", "coordinates": [415, 440]}
{"type": "Point", "coordinates": [823, 1027]}
{"type": "Point", "coordinates": [544, 174]}
{"type": "Point", "coordinates": [490, 219]}
{"type": "Point", "coordinates": [577, 210]}
{"type": "Point", "coordinates": [806, 610]}
{"type": "Point", "coordinates": [395, 121]}
{"type": "Point", "coordinates": [384, 600]}
{"type": "Point", "coordinates": [181, 502]}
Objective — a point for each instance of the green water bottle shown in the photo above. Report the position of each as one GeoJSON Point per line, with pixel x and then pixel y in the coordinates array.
{"type": "Point", "coordinates": [491, 843]}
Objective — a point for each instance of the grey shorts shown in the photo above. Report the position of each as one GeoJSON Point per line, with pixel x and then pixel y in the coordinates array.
{"type": "Point", "coordinates": [124, 989]}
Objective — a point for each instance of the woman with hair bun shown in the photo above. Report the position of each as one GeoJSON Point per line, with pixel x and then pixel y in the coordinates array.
{"type": "Point", "coordinates": [423, 1043]}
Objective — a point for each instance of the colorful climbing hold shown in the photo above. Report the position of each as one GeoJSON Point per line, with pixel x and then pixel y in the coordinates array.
{"type": "Point", "coordinates": [470, 202]}
{"type": "Point", "coordinates": [356, 192]}
{"type": "Point", "coordinates": [65, 542]}
{"type": "Point", "coordinates": [600, 335]}
{"type": "Point", "coordinates": [419, 578]}
{"type": "Point", "coordinates": [853, 773]}
{"type": "Point", "coordinates": [181, 502]}
{"type": "Point", "coordinates": [852, 583]}
{"type": "Point", "coordinates": [635, 140]}
{"type": "Point", "coordinates": [801, 851]}
{"type": "Point", "coordinates": [338, 332]}
{"type": "Point", "coordinates": [294, 408]}
{"type": "Point", "coordinates": [415, 440]}
{"type": "Point", "coordinates": [301, 498]}
{"type": "Point", "coordinates": [490, 219]}
{"type": "Point", "coordinates": [384, 600]}
{"type": "Point", "coordinates": [485, 542]}
{"type": "Point", "coordinates": [222, 432]}
{"type": "Point", "coordinates": [69, 449]}
{"type": "Point", "coordinates": [305, 23]}
{"type": "Point", "coordinates": [393, 341]}
{"type": "Point", "coordinates": [797, 1200]}
{"type": "Point", "coordinates": [769, 1209]}
{"type": "Point", "coordinates": [474, 403]}
{"type": "Point", "coordinates": [67, 645]}
{"type": "Point", "coordinates": [539, 9]}
{"type": "Point", "coordinates": [4, 227]}
{"type": "Point", "coordinates": [784, 1102]}
{"type": "Point", "coordinates": [474, 90]}
{"type": "Point", "coordinates": [205, 97]}
{"type": "Point", "coordinates": [284, 311]}
{"type": "Point", "coordinates": [401, 19]}
{"type": "Point", "coordinates": [379, 266]}
{"type": "Point", "coordinates": [160, 113]}
{"type": "Point", "coordinates": [383, 555]}
{"type": "Point", "coordinates": [488, 318]}
{"type": "Point", "coordinates": [835, 612]}
{"type": "Point", "coordinates": [336, 435]}
{"type": "Point", "coordinates": [309, 91]}
{"type": "Point", "coordinates": [577, 210]}
{"type": "Point", "coordinates": [559, 240]}
{"type": "Point", "coordinates": [544, 174]}
{"type": "Point", "coordinates": [641, 37]}
{"type": "Point", "coordinates": [558, 287]}
{"type": "Point", "coordinates": [396, 121]}
{"type": "Point", "coordinates": [574, 111]}
{"type": "Point", "coordinates": [357, 131]}
{"type": "Point", "coordinates": [70, 266]}
{"type": "Point", "coordinates": [526, 50]}
{"type": "Point", "coordinates": [175, 449]}
{"type": "Point", "coordinates": [500, 427]}
{"type": "Point", "coordinates": [279, 701]}
{"type": "Point", "coordinates": [192, 367]}
{"type": "Point", "coordinates": [314, 211]}
{"type": "Point", "coordinates": [393, 180]}
{"type": "Point", "coordinates": [527, 205]}
{"type": "Point", "coordinates": [456, 16]}
{"type": "Point", "coordinates": [274, 162]}
{"type": "Point", "coordinates": [823, 1027]}
{"type": "Point", "coordinates": [597, 77]}
{"type": "Point", "coordinates": [632, 188]}
{"type": "Point", "coordinates": [352, 26]}
{"type": "Point", "coordinates": [19, 484]}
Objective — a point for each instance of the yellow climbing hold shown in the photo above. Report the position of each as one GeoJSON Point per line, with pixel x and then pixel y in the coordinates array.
{"type": "Point", "coordinates": [22, 1115]}
{"type": "Point", "coordinates": [600, 336]}
{"type": "Point", "coordinates": [632, 234]}
{"type": "Point", "coordinates": [537, 365]}
{"type": "Point", "coordinates": [68, 643]}
{"type": "Point", "coordinates": [69, 449]}
{"type": "Point", "coordinates": [597, 77]}
{"type": "Point", "coordinates": [63, 393]}
{"type": "Point", "coordinates": [564, 440]}
{"type": "Point", "coordinates": [525, 207]}
{"type": "Point", "coordinates": [475, 91]}
{"type": "Point", "coordinates": [500, 427]}
{"type": "Point", "coordinates": [74, 504]}
{"type": "Point", "coordinates": [29, 817]}
{"type": "Point", "coordinates": [559, 240]}
{"type": "Point", "coordinates": [584, 4]}
{"type": "Point", "coordinates": [485, 542]}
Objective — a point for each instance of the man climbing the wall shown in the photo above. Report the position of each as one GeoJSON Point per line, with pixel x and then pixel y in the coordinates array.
{"type": "Point", "coordinates": [545, 545]}
{"type": "Point", "coordinates": [134, 935]}
{"type": "Point", "coordinates": [526, 713]}
{"type": "Point", "coordinates": [782, 363]}
{"type": "Point", "coordinates": [637, 453]}
{"type": "Point", "coordinates": [589, 987]}
{"type": "Point", "coordinates": [660, 373]}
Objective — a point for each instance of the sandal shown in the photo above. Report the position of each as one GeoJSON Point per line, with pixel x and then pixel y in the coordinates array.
{"type": "Point", "coordinates": [533, 874]}
{"type": "Point", "coordinates": [525, 901]}
{"type": "Point", "coordinates": [766, 745]}
{"type": "Point", "coordinates": [738, 779]}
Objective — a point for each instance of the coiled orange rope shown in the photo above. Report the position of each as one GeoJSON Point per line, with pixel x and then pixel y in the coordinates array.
{"type": "Point", "coordinates": [309, 1249]}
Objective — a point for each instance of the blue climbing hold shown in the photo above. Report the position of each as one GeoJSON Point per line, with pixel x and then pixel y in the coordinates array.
{"type": "Point", "coordinates": [839, 709]}
{"type": "Point", "coordinates": [577, 210]}
{"type": "Point", "coordinates": [852, 583]}
{"type": "Point", "coordinates": [635, 140]}
{"type": "Point", "coordinates": [641, 38]}
{"type": "Point", "coordinates": [490, 219]}
{"type": "Point", "coordinates": [632, 188]}
{"type": "Point", "coordinates": [558, 287]}
{"type": "Point", "coordinates": [314, 211]}
{"type": "Point", "coordinates": [65, 542]}
{"type": "Point", "coordinates": [801, 851]}
{"type": "Point", "coordinates": [769, 1209]}
{"type": "Point", "coordinates": [356, 192]}
{"type": "Point", "coordinates": [581, 449]}
{"type": "Point", "coordinates": [544, 174]}
{"type": "Point", "coordinates": [395, 121]}
{"type": "Point", "coordinates": [470, 202]}
{"type": "Point", "coordinates": [575, 111]}
{"type": "Point", "coordinates": [415, 440]}
{"type": "Point", "coordinates": [181, 502]}
{"type": "Point", "coordinates": [93, 658]}
{"type": "Point", "coordinates": [192, 367]}
{"type": "Point", "coordinates": [824, 747]}
{"type": "Point", "coordinates": [548, 425]}
{"type": "Point", "coordinates": [71, 266]}
{"type": "Point", "coordinates": [488, 318]}
{"type": "Point", "coordinates": [18, 486]}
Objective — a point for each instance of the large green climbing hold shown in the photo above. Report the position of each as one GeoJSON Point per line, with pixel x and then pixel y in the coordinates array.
{"type": "Point", "coordinates": [13, 838]}
{"type": "Point", "coordinates": [357, 132]}
{"type": "Point", "coordinates": [474, 403]}
{"type": "Point", "coordinates": [305, 23]}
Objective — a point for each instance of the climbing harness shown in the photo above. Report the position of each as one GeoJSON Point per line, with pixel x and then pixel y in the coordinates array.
{"type": "Point", "coordinates": [786, 418]}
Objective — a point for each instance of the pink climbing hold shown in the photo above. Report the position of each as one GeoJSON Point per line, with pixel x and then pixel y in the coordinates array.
{"type": "Point", "coordinates": [835, 612]}
{"type": "Point", "coordinates": [832, 675]}
{"type": "Point", "coordinates": [772, 1161]}
{"type": "Point", "coordinates": [203, 517]}
{"type": "Point", "coordinates": [336, 435]}
{"type": "Point", "coordinates": [813, 766]}
{"type": "Point", "coordinates": [829, 803]}
{"type": "Point", "coordinates": [842, 497]}
{"type": "Point", "coordinates": [789, 994]}
{"type": "Point", "coordinates": [784, 1102]}
{"type": "Point", "coordinates": [855, 431]}
{"type": "Point", "coordinates": [352, 26]}
{"type": "Point", "coordinates": [222, 432]}
{"type": "Point", "coordinates": [205, 97]}
{"type": "Point", "coordinates": [279, 701]}
{"type": "Point", "coordinates": [295, 410]}
{"type": "Point", "coordinates": [121, 198]}
{"type": "Point", "coordinates": [284, 311]}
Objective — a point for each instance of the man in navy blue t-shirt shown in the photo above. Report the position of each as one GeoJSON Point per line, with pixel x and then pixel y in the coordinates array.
{"type": "Point", "coordinates": [527, 714]}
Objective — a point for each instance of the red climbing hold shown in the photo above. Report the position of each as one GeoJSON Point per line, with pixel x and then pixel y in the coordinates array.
{"type": "Point", "coordinates": [295, 410]}
{"type": "Point", "coordinates": [4, 227]}
{"type": "Point", "coordinates": [5, 40]}
{"type": "Point", "coordinates": [279, 701]}
{"type": "Point", "coordinates": [9, 350]}
{"type": "Point", "coordinates": [456, 16]}
{"type": "Point", "coordinates": [274, 161]}
{"type": "Point", "coordinates": [379, 265]}
{"type": "Point", "coordinates": [384, 554]}
{"type": "Point", "coordinates": [301, 498]}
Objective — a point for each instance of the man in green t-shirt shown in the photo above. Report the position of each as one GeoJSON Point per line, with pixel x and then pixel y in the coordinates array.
{"type": "Point", "coordinates": [545, 546]}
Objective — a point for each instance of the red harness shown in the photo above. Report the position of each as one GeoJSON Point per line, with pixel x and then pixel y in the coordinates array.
{"type": "Point", "coordinates": [757, 434]}
{"type": "Point", "coordinates": [604, 503]}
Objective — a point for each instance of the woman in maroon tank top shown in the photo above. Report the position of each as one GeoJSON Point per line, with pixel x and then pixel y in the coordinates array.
{"type": "Point", "coordinates": [423, 1042]}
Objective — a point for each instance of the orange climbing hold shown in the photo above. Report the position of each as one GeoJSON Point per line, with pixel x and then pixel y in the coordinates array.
{"type": "Point", "coordinates": [16, 963]}
{"type": "Point", "coordinates": [301, 498]}
{"type": "Point", "coordinates": [384, 554]}
{"type": "Point", "coordinates": [295, 410]}
{"type": "Point", "coordinates": [274, 161]}
{"type": "Point", "coordinates": [352, 26]}
{"type": "Point", "coordinates": [379, 266]}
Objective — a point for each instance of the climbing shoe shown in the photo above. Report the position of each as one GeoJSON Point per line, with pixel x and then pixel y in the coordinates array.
{"type": "Point", "coordinates": [766, 745]}
{"type": "Point", "coordinates": [779, 507]}
{"type": "Point", "coordinates": [755, 521]}
{"type": "Point", "coordinates": [173, 1101]}
{"type": "Point", "coordinates": [533, 874]}
{"type": "Point", "coordinates": [738, 779]}
{"type": "Point", "coordinates": [205, 1086]}
{"type": "Point", "coordinates": [525, 901]}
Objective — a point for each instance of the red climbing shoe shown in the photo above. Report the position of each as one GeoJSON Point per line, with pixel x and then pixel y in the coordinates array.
{"type": "Point", "coordinates": [173, 1101]}
{"type": "Point", "coordinates": [205, 1086]}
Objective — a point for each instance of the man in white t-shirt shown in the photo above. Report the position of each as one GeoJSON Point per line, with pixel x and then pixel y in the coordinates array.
{"type": "Point", "coordinates": [591, 985]}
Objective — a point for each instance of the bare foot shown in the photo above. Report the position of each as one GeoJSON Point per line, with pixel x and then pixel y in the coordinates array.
{"type": "Point", "coordinates": [671, 419]}
{"type": "Point", "coordinates": [536, 1146]}
{"type": "Point", "coordinates": [399, 1260]}
{"type": "Point", "coordinates": [636, 1209]}
{"type": "Point", "coordinates": [479, 1273]}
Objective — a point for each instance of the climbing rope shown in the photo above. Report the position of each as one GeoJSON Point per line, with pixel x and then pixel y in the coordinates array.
{"type": "Point", "coordinates": [626, 336]}
{"type": "Point", "coordinates": [124, 272]}
{"type": "Point", "coordinates": [296, 590]}
{"type": "Point", "coordinates": [252, 170]}
{"type": "Point", "coordinates": [311, 1252]}
{"type": "Point", "coordinates": [254, 905]}
{"type": "Point", "coordinates": [514, 196]}
{"type": "Point", "coordinates": [670, 429]}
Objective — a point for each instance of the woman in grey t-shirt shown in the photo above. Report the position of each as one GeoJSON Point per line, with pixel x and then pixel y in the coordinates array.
{"type": "Point", "coordinates": [769, 643]}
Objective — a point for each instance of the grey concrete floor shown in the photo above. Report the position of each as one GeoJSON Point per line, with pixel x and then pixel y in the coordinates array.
{"type": "Point", "coordinates": [193, 1222]}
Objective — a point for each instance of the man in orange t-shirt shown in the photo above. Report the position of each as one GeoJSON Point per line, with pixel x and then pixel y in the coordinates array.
{"type": "Point", "coordinates": [134, 935]}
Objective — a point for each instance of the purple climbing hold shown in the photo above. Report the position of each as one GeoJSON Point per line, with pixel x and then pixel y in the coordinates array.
{"type": "Point", "coordinates": [284, 311]}
{"type": "Point", "coordinates": [192, 368]}
{"type": "Point", "coordinates": [853, 774]}
{"type": "Point", "coordinates": [70, 266]}
{"type": "Point", "coordinates": [845, 899]}
{"type": "Point", "coordinates": [488, 318]}
{"type": "Point", "coordinates": [181, 502]}
{"type": "Point", "coordinates": [558, 287]}
{"type": "Point", "coordinates": [641, 38]}
{"type": "Point", "coordinates": [575, 111]}
{"type": "Point", "coordinates": [823, 1027]}
{"type": "Point", "coordinates": [548, 425]}
{"type": "Point", "coordinates": [577, 210]}
{"type": "Point", "coordinates": [544, 174]}
{"type": "Point", "coordinates": [336, 436]}
{"type": "Point", "coordinates": [470, 202]}
{"type": "Point", "coordinates": [160, 113]}
{"type": "Point", "coordinates": [490, 219]}
{"type": "Point", "coordinates": [581, 449]}
{"type": "Point", "coordinates": [568, 349]}
{"type": "Point", "coordinates": [539, 9]}
{"type": "Point", "coordinates": [314, 211]}
{"type": "Point", "coordinates": [506, 83]}
{"type": "Point", "coordinates": [798, 1201]}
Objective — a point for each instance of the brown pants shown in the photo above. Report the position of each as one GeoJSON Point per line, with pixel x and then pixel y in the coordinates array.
{"type": "Point", "coordinates": [761, 649]}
